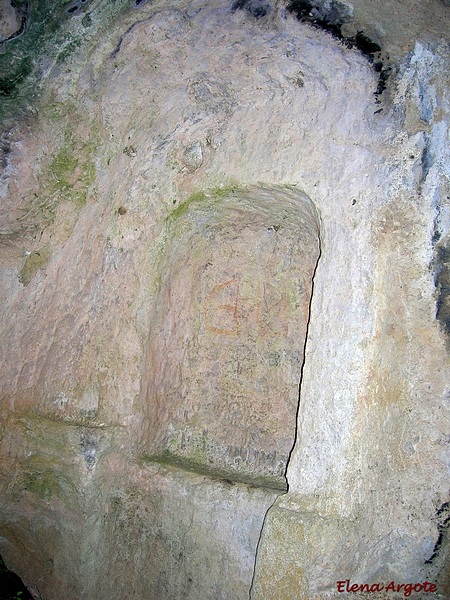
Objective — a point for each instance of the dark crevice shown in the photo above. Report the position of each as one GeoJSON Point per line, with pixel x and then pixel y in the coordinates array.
{"type": "Point", "coordinates": [130, 29]}
{"type": "Point", "coordinates": [331, 17]}
{"type": "Point", "coordinates": [304, 356]}
{"type": "Point", "coordinates": [257, 8]}
{"type": "Point", "coordinates": [427, 159]}
{"type": "Point", "coordinates": [5, 151]}
{"type": "Point", "coordinates": [258, 544]}
{"type": "Point", "coordinates": [437, 220]}
{"type": "Point", "coordinates": [76, 7]}
{"type": "Point", "coordinates": [436, 548]}
{"type": "Point", "coordinates": [441, 267]}
{"type": "Point", "coordinates": [11, 586]}
{"type": "Point", "coordinates": [365, 45]}
{"type": "Point", "coordinates": [443, 521]}
{"type": "Point", "coordinates": [382, 81]}
{"type": "Point", "coordinates": [436, 235]}
{"type": "Point", "coordinates": [298, 403]}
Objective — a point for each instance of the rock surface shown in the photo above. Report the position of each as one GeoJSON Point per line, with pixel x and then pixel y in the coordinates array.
{"type": "Point", "coordinates": [9, 20]}
{"type": "Point", "coordinates": [205, 208]}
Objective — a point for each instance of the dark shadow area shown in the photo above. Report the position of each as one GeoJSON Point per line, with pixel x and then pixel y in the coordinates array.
{"type": "Point", "coordinates": [331, 16]}
{"type": "Point", "coordinates": [11, 586]}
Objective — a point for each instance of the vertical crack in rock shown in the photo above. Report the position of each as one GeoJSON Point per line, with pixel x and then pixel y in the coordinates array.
{"type": "Point", "coordinates": [304, 353]}
{"type": "Point", "coordinates": [245, 304]}
{"type": "Point", "coordinates": [427, 158]}
{"type": "Point", "coordinates": [298, 403]}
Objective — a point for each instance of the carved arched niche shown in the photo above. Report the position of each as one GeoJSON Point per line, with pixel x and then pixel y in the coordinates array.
{"type": "Point", "coordinates": [225, 351]}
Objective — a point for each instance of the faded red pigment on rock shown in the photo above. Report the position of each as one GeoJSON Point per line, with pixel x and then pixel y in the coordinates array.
{"type": "Point", "coordinates": [406, 588]}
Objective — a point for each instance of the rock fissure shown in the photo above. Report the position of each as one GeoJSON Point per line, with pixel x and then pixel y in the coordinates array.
{"type": "Point", "coordinates": [313, 278]}
{"type": "Point", "coordinates": [313, 281]}
{"type": "Point", "coordinates": [246, 283]}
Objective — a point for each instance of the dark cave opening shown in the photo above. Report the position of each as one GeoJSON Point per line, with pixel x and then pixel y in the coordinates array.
{"type": "Point", "coordinates": [11, 586]}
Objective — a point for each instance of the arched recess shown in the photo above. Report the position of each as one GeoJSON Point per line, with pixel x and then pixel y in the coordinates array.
{"type": "Point", "coordinates": [225, 350]}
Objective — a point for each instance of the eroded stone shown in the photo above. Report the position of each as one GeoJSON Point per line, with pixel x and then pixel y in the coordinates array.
{"type": "Point", "coordinates": [233, 300]}
{"type": "Point", "coordinates": [143, 360]}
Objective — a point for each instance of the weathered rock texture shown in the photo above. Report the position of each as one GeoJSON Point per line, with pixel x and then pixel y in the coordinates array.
{"type": "Point", "coordinates": [205, 208]}
{"type": "Point", "coordinates": [233, 297]}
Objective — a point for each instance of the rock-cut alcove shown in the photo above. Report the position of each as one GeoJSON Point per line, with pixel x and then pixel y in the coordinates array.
{"type": "Point", "coordinates": [155, 333]}
{"type": "Point", "coordinates": [226, 345]}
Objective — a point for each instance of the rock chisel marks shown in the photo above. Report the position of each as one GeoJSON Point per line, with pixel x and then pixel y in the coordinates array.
{"type": "Point", "coordinates": [240, 265]}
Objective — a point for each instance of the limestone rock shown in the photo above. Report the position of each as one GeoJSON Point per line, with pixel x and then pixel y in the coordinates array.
{"type": "Point", "coordinates": [9, 20]}
{"type": "Point", "coordinates": [224, 234]}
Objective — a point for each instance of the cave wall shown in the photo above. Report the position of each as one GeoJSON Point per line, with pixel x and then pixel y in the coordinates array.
{"type": "Point", "coordinates": [224, 297]}
{"type": "Point", "coordinates": [233, 300]}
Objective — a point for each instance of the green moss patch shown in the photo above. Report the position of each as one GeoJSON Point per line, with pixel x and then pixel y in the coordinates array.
{"type": "Point", "coordinates": [72, 172]}
{"type": "Point", "coordinates": [65, 176]}
{"type": "Point", "coordinates": [43, 478]}
{"type": "Point", "coordinates": [34, 261]}
{"type": "Point", "coordinates": [192, 465]}
{"type": "Point", "coordinates": [202, 197]}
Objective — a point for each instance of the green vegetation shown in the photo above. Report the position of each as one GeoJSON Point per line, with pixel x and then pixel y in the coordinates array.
{"type": "Point", "coordinates": [35, 261]}
{"type": "Point", "coordinates": [208, 196]}
{"type": "Point", "coordinates": [182, 208]}
{"type": "Point", "coordinates": [9, 83]}
{"type": "Point", "coordinates": [206, 469]}
{"type": "Point", "coordinates": [65, 176]}
{"type": "Point", "coordinates": [44, 478]}
{"type": "Point", "coordinates": [43, 484]}
{"type": "Point", "coordinates": [222, 192]}
{"type": "Point", "coordinates": [69, 49]}
{"type": "Point", "coordinates": [62, 167]}
{"type": "Point", "coordinates": [41, 20]}
{"type": "Point", "coordinates": [71, 176]}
